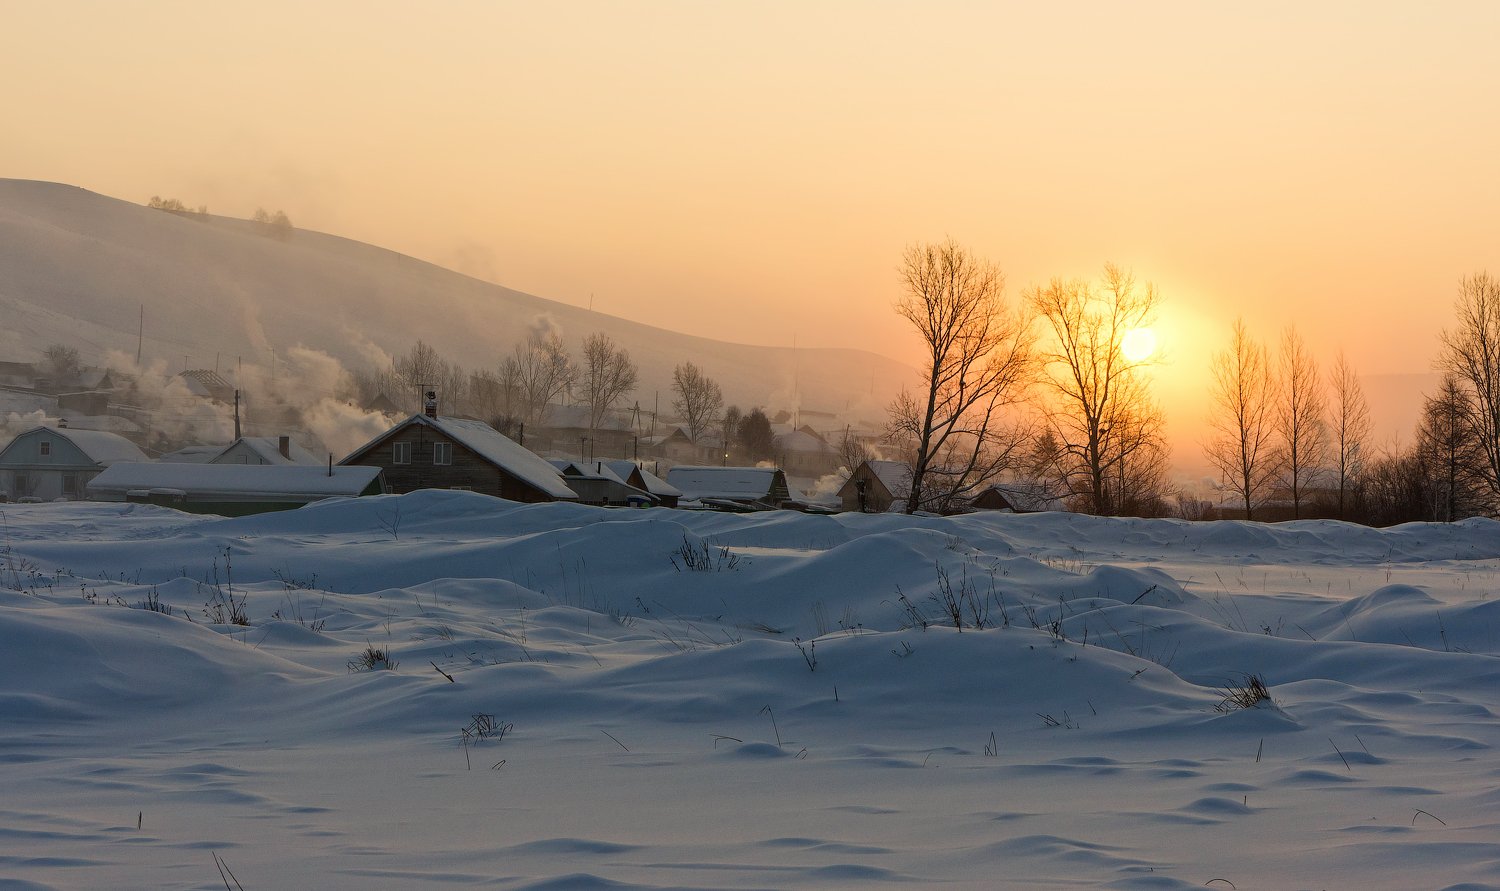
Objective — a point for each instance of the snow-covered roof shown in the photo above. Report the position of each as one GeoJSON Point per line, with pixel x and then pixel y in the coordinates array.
{"type": "Point", "coordinates": [240, 481]}
{"type": "Point", "coordinates": [590, 470]}
{"type": "Point", "coordinates": [802, 441]}
{"type": "Point", "coordinates": [269, 450]}
{"type": "Point", "coordinates": [494, 447]}
{"type": "Point", "coordinates": [100, 447]}
{"type": "Point", "coordinates": [894, 475]}
{"type": "Point", "coordinates": [194, 454]}
{"type": "Point", "coordinates": [654, 484]}
{"type": "Point", "coordinates": [723, 482]}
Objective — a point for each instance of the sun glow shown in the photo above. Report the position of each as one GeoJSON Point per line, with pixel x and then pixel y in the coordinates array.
{"type": "Point", "coordinates": [1138, 344]}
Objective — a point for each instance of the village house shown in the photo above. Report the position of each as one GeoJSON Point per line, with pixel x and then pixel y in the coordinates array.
{"type": "Point", "coordinates": [280, 450]}
{"type": "Point", "coordinates": [426, 451]}
{"type": "Point", "coordinates": [666, 494]}
{"type": "Point", "coordinates": [232, 490]}
{"type": "Point", "coordinates": [597, 483]}
{"type": "Point", "coordinates": [49, 463]}
{"type": "Point", "coordinates": [803, 452]}
{"type": "Point", "coordinates": [876, 486]}
{"type": "Point", "coordinates": [732, 488]}
{"type": "Point", "coordinates": [568, 431]}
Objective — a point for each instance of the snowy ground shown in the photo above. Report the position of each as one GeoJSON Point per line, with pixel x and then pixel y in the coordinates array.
{"type": "Point", "coordinates": [778, 719]}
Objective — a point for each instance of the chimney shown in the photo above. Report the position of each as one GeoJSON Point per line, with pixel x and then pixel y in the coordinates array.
{"type": "Point", "coordinates": [284, 446]}
{"type": "Point", "coordinates": [429, 405]}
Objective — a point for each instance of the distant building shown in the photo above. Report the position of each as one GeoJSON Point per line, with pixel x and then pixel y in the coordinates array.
{"type": "Point", "coordinates": [208, 384]}
{"type": "Point", "coordinates": [430, 452]}
{"type": "Point", "coordinates": [48, 463]}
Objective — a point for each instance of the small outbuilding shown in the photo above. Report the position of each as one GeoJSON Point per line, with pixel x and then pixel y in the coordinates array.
{"type": "Point", "coordinates": [597, 483]}
{"type": "Point", "coordinates": [666, 494]}
{"type": "Point", "coordinates": [265, 450]}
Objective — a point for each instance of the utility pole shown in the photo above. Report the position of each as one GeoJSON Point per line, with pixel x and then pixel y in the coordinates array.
{"type": "Point", "coordinates": [140, 336]}
{"type": "Point", "coordinates": [236, 414]}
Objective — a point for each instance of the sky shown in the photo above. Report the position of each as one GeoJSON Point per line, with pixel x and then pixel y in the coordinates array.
{"type": "Point", "coordinates": [753, 171]}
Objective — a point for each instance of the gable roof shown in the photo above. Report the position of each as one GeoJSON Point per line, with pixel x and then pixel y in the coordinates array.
{"type": "Point", "coordinates": [894, 475]}
{"type": "Point", "coordinates": [269, 450]}
{"type": "Point", "coordinates": [253, 481]}
{"type": "Point", "coordinates": [491, 445]}
{"type": "Point", "coordinates": [654, 484]}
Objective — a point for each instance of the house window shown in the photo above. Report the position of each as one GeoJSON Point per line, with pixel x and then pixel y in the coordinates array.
{"type": "Point", "coordinates": [400, 453]}
{"type": "Point", "coordinates": [442, 453]}
{"type": "Point", "coordinates": [44, 448]}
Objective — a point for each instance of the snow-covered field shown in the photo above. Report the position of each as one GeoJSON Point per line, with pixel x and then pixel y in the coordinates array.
{"type": "Point", "coordinates": [573, 705]}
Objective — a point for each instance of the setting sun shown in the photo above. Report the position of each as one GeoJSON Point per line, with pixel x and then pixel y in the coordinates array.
{"type": "Point", "coordinates": [1138, 344]}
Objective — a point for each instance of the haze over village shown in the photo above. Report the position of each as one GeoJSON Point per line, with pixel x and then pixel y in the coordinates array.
{"type": "Point", "coordinates": [779, 445]}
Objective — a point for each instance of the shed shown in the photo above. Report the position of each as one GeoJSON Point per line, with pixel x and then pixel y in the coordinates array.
{"type": "Point", "coordinates": [265, 450]}
{"type": "Point", "coordinates": [597, 483]}
{"type": "Point", "coordinates": [666, 494]}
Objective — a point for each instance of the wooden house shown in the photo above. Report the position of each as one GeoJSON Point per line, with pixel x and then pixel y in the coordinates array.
{"type": "Point", "coordinates": [876, 486]}
{"type": "Point", "coordinates": [430, 452]}
{"type": "Point", "coordinates": [48, 463]}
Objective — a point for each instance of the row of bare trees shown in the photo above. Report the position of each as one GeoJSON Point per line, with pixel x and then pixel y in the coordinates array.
{"type": "Point", "coordinates": [1097, 436]}
{"type": "Point", "coordinates": [1070, 407]}
{"type": "Point", "coordinates": [1288, 434]}
{"type": "Point", "coordinates": [519, 390]}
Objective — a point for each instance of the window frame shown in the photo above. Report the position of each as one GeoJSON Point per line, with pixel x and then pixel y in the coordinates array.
{"type": "Point", "coordinates": [442, 454]}
{"type": "Point", "coordinates": [401, 453]}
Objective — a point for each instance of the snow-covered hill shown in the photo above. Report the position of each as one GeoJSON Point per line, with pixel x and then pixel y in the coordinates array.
{"type": "Point", "coordinates": [76, 267]}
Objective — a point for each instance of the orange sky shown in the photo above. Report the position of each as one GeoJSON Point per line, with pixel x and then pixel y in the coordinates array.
{"type": "Point", "coordinates": [752, 171]}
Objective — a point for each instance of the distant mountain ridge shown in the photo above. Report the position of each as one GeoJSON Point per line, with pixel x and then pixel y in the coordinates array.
{"type": "Point", "coordinates": [76, 267]}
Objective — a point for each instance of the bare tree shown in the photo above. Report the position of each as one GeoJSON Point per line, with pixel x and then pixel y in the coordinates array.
{"type": "Point", "coordinates": [698, 399]}
{"type": "Point", "coordinates": [1350, 429]}
{"type": "Point", "coordinates": [853, 451]}
{"type": "Point", "coordinates": [420, 368]}
{"type": "Point", "coordinates": [540, 371]}
{"type": "Point", "coordinates": [62, 360]}
{"type": "Point", "coordinates": [978, 361]}
{"type": "Point", "coordinates": [1299, 418]}
{"type": "Point", "coordinates": [1242, 448]}
{"type": "Point", "coordinates": [731, 427]}
{"type": "Point", "coordinates": [1451, 459]}
{"type": "Point", "coordinates": [606, 376]}
{"type": "Point", "coordinates": [1471, 352]}
{"type": "Point", "coordinates": [1102, 414]}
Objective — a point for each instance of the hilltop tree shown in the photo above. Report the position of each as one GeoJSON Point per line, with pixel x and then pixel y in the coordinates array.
{"type": "Point", "coordinates": [1103, 416]}
{"type": "Point", "coordinates": [977, 361]}
{"type": "Point", "coordinates": [1242, 448]}
{"type": "Point", "coordinates": [698, 399]}
{"type": "Point", "coordinates": [62, 361]}
{"type": "Point", "coordinates": [607, 375]}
